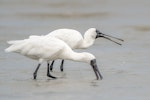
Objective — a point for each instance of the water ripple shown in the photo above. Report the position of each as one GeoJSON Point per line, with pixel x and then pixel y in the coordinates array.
{"type": "Point", "coordinates": [65, 15]}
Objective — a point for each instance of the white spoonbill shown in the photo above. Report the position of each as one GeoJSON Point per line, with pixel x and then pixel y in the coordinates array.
{"type": "Point", "coordinates": [51, 48]}
{"type": "Point", "coordinates": [75, 40]}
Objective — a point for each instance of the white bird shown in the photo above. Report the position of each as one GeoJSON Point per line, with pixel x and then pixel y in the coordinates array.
{"type": "Point", "coordinates": [50, 48]}
{"type": "Point", "coordinates": [75, 40]}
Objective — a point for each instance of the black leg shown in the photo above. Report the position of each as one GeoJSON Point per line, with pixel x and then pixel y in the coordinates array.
{"type": "Point", "coordinates": [47, 68]}
{"type": "Point", "coordinates": [51, 66]}
{"type": "Point", "coordinates": [48, 72]}
{"type": "Point", "coordinates": [61, 66]}
{"type": "Point", "coordinates": [35, 73]}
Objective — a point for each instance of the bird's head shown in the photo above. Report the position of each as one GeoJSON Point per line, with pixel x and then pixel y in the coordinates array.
{"type": "Point", "coordinates": [90, 58]}
{"type": "Point", "coordinates": [108, 37]}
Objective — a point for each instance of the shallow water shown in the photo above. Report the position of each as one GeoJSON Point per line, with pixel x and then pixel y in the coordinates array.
{"type": "Point", "coordinates": [126, 68]}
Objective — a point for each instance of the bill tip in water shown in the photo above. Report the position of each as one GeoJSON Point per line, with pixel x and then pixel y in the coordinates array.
{"type": "Point", "coordinates": [122, 40]}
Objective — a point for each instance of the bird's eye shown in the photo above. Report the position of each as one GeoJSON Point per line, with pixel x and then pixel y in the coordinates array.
{"type": "Point", "coordinates": [97, 31]}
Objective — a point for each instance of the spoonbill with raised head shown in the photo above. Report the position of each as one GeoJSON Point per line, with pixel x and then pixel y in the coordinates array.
{"type": "Point", "coordinates": [75, 40]}
{"type": "Point", "coordinates": [50, 48]}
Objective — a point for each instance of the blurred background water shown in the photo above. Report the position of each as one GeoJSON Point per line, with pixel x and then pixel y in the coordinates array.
{"type": "Point", "coordinates": [126, 68]}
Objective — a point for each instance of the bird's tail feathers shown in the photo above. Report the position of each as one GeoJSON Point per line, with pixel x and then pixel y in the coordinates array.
{"type": "Point", "coordinates": [16, 45]}
{"type": "Point", "coordinates": [14, 41]}
{"type": "Point", "coordinates": [13, 48]}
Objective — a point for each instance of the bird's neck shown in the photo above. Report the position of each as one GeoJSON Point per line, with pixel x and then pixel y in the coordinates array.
{"type": "Point", "coordinates": [87, 41]}
{"type": "Point", "coordinates": [79, 57]}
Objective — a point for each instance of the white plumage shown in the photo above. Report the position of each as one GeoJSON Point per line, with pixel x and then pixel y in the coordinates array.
{"type": "Point", "coordinates": [75, 40]}
{"type": "Point", "coordinates": [43, 48]}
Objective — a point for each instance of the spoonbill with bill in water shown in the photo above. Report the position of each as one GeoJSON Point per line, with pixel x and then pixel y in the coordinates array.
{"type": "Point", "coordinates": [45, 48]}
